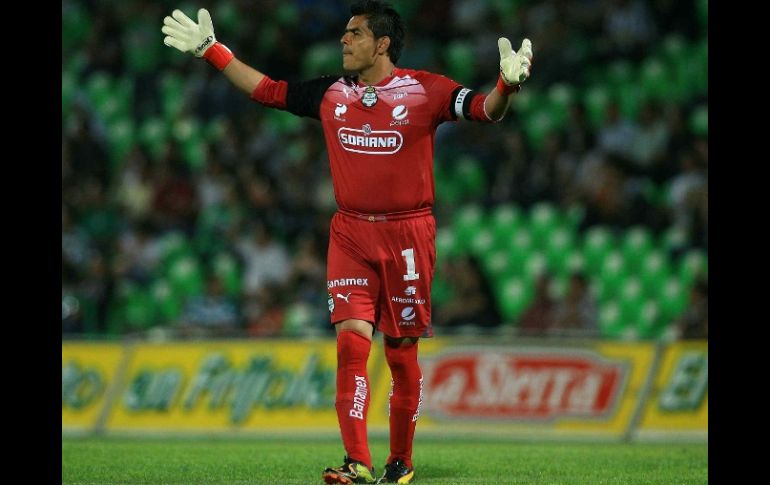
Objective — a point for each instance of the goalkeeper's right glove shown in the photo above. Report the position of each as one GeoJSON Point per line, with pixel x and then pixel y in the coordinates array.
{"type": "Point", "coordinates": [187, 36]}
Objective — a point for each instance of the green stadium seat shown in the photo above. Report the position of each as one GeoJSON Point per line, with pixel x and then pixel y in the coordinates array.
{"type": "Point", "coordinates": [544, 219]}
{"type": "Point", "coordinates": [448, 189]}
{"type": "Point", "coordinates": [673, 238]}
{"type": "Point", "coordinates": [631, 299]}
{"type": "Point", "coordinates": [298, 318]}
{"type": "Point", "coordinates": [505, 220]}
{"type": "Point", "coordinates": [560, 97]}
{"type": "Point", "coordinates": [505, 10]}
{"type": "Point", "coordinates": [613, 273]}
{"type": "Point", "coordinates": [441, 292]}
{"type": "Point", "coordinates": [467, 222]}
{"type": "Point", "coordinates": [675, 55]}
{"type": "Point", "coordinates": [482, 242]}
{"type": "Point", "coordinates": [527, 101]}
{"type": "Point", "coordinates": [446, 243]}
{"type": "Point", "coordinates": [142, 52]}
{"type": "Point", "coordinates": [186, 277]}
{"type": "Point", "coordinates": [535, 265]}
{"type": "Point", "coordinates": [574, 216]}
{"type": "Point", "coordinates": [98, 87]}
{"type": "Point", "coordinates": [228, 20]}
{"type": "Point", "coordinates": [630, 99]}
{"type": "Point", "coordinates": [284, 123]}
{"type": "Point", "coordinates": [174, 245]}
{"type": "Point", "coordinates": [68, 92]}
{"type": "Point", "coordinates": [539, 124]}
{"type": "Point", "coordinates": [215, 129]}
{"type": "Point", "coordinates": [460, 60]}
{"type": "Point", "coordinates": [655, 80]}
{"type": "Point", "coordinates": [168, 306]}
{"type": "Point", "coordinates": [225, 266]}
{"type": "Point", "coordinates": [558, 286]}
{"type": "Point", "coordinates": [621, 72]}
{"type": "Point", "coordinates": [498, 266]}
{"type": "Point", "coordinates": [654, 272]}
{"type": "Point", "coordinates": [598, 242]}
{"type": "Point", "coordinates": [673, 298]}
{"type": "Point", "coordinates": [153, 134]}
{"type": "Point", "coordinates": [559, 248]}
{"type": "Point", "coordinates": [699, 121]}
{"type": "Point", "coordinates": [521, 250]}
{"type": "Point", "coordinates": [648, 321]}
{"type": "Point", "coordinates": [596, 99]}
{"type": "Point", "coordinates": [187, 132]}
{"type": "Point", "coordinates": [637, 243]}
{"type": "Point", "coordinates": [610, 321]}
{"type": "Point", "coordinates": [171, 87]}
{"type": "Point", "coordinates": [139, 309]}
{"type": "Point", "coordinates": [702, 7]}
{"type": "Point", "coordinates": [76, 24]}
{"type": "Point", "coordinates": [699, 73]}
{"type": "Point", "coordinates": [321, 58]}
{"type": "Point", "coordinates": [121, 138]}
{"type": "Point", "coordinates": [470, 175]}
{"type": "Point", "coordinates": [514, 296]}
{"type": "Point", "coordinates": [694, 264]}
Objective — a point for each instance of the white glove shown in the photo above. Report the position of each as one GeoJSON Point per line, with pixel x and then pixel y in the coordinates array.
{"type": "Point", "coordinates": [187, 36]}
{"type": "Point", "coordinates": [514, 66]}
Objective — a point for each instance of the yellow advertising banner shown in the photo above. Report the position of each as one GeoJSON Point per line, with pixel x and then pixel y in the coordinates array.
{"type": "Point", "coordinates": [537, 388]}
{"type": "Point", "coordinates": [87, 372]}
{"type": "Point", "coordinates": [239, 385]}
{"type": "Point", "coordinates": [679, 397]}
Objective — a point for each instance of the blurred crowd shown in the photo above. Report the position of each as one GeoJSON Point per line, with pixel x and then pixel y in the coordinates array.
{"type": "Point", "coordinates": [240, 235]}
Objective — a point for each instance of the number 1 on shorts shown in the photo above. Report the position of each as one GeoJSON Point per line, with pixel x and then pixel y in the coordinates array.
{"type": "Point", "coordinates": [410, 275]}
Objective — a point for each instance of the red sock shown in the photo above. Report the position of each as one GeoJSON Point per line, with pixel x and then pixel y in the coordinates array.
{"type": "Point", "coordinates": [352, 401]}
{"type": "Point", "coordinates": [405, 399]}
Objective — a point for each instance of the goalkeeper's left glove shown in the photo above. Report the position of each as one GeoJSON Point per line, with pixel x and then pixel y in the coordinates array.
{"type": "Point", "coordinates": [187, 36]}
{"type": "Point", "coordinates": [514, 66]}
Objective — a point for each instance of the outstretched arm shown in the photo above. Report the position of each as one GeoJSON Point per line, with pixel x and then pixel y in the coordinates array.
{"type": "Point", "coordinates": [185, 35]}
{"type": "Point", "coordinates": [514, 70]}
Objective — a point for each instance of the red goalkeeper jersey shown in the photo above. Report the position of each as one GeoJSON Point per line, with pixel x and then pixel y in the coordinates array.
{"type": "Point", "coordinates": [379, 138]}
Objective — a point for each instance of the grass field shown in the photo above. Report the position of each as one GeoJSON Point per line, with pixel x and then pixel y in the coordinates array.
{"type": "Point", "coordinates": [288, 461]}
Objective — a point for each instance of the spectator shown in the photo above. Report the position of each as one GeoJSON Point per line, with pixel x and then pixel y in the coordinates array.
{"type": "Point", "coordinates": [538, 318]}
{"type": "Point", "coordinates": [266, 260]}
{"type": "Point", "coordinates": [694, 323]}
{"type": "Point", "coordinates": [576, 313]}
{"type": "Point", "coordinates": [473, 302]}
{"type": "Point", "coordinates": [212, 314]}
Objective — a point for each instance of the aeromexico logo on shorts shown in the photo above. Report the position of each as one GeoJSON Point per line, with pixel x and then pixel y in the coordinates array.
{"type": "Point", "coordinates": [370, 141]}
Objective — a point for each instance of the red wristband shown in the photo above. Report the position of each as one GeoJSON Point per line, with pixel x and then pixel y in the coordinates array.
{"type": "Point", "coordinates": [218, 55]}
{"type": "Point", "coordinates": [505, 89]}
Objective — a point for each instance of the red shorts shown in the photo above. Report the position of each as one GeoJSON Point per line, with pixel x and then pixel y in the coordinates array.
{"type": "Point", "coordinates": [380, 269]}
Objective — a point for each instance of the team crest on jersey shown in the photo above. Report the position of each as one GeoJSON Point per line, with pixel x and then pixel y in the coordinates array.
{"type": "Point", "coordinates": [331, 302]}
{"type": "Point", "coordinates": [370, 97]}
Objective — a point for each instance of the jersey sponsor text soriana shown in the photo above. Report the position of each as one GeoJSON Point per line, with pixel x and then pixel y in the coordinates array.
{"type": "Point", "coordinates": [380, 138]}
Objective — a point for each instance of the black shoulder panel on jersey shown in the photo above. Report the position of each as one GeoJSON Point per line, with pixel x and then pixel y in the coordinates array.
{"type": "Point", "coordinates": [303, 98]}
{"type": "Point", "coordinates": [460, 104]}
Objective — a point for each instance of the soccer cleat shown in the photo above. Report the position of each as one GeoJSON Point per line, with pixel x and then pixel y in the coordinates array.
{"type": "Point", "coordinates": [397, 472]}
{"type": "Point", "coordinates": [350, 472]}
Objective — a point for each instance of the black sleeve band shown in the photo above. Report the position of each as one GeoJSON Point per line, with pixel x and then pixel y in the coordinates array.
{"type": "Point", "coordinates": [303, 98]}
{"type": "Point", "coordinates": [460, 104]}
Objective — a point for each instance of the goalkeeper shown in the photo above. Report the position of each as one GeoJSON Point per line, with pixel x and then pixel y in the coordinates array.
{"type": "Point", "coordinates": [379, 122]}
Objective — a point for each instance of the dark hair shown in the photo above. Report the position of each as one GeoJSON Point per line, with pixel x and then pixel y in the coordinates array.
{"type": "Point", "coordinates": [383, 20]}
